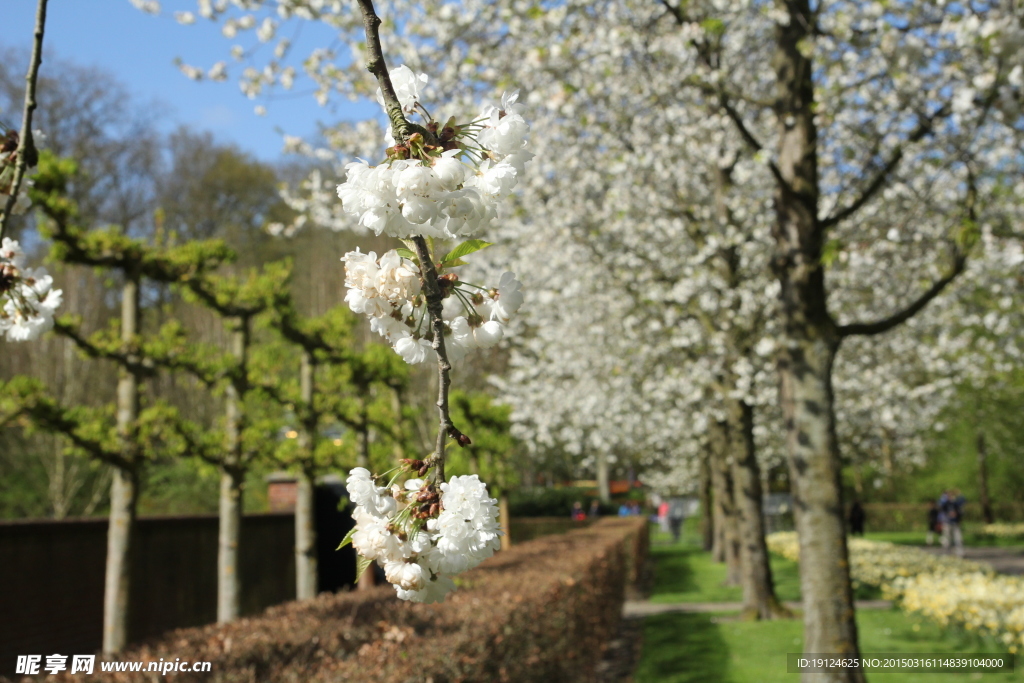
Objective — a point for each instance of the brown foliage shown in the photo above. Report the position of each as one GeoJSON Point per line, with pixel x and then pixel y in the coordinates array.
{"type": "Point", "coordinates": [542, 611]}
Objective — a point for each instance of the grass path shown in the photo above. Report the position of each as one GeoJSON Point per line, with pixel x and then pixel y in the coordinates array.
{"type": "Point", "coordinates": [716, 648]}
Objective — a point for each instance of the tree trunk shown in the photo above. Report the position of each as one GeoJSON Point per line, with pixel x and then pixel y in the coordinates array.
{"type": "Point", "coordinates": [124, 493]}
{"type": "Point", "coordinates": [124, 485]}
{"type": "Point", "coordinates": [232, 479]}
{"type": "Point", "coordinates": [983, 499]}
{"type": "Point", "coordinates": [759, 601]}
{"type": "Point", "coordinates": [228, 591]}
{"type": "Point", "coordinates": [727, 527]}
{"type": "Point", "coordinates": [305, 538]}
{"type": "Point", "coordinates": [809, 342]}
{"type": "Point", "coordinates": [305, 518]}
{"type": "Point", "coordinates": [504, 520]}
{"type": "Point", "coordinates": [717, 509]}
{"type": "Point", "coordinates": [603, 487]}
{"type": "Point", "coordinates": [707, 527]}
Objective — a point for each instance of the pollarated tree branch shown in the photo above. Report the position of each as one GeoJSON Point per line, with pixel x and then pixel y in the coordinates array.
{"type": "Point", "coordinates": [26, 147]}
{"type": "Point", "coordinates": [428, 273]}
{"type": "Point", "coordinates": [98, 347]}
{"type": "Point", "coordinates": [26, 399]}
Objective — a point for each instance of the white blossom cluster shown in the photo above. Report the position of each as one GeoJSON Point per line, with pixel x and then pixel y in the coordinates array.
{"type": "Point", "coordinates": [423, 536]}
{"type": "Point", "coordinates": [442, 193]}
{"type": "Point", "coordinates": [27, 295]}
{"type": "Point", "coordinates": [387, 290]}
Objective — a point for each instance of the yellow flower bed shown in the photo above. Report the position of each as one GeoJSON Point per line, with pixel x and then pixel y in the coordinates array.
{"type": "Point", "coordinates": [947, 589]}
{"type": "Point", "coordinates": [1003, 530]}
{"type": "Point", "coordinates": [987, 604]}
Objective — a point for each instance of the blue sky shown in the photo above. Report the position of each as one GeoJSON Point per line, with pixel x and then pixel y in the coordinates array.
{"type": "Point", "coordinates": [139, 50]}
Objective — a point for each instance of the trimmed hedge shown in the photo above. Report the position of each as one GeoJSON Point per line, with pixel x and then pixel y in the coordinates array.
{"type": "Point", "coordinates": [542, 611]}
{"type": "Point", "coordinates": [528, 528]}
{"type": "Point", "coordinates": [552, 502]}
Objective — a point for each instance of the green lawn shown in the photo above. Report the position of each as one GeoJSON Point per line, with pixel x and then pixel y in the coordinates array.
{"type": "Point", "coordinates": [685, 573]}
{"type": "Point", "coordinates": [699, 648]}
{"type": "Point", "coordinates": [691, 648]}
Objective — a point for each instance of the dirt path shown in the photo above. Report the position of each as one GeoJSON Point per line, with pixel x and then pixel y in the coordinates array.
{"type": "Point", "coordinates": [1003, 560]}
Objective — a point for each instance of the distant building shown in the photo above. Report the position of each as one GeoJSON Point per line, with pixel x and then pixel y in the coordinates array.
{"type": "Point", "coordinates": [282, 489]}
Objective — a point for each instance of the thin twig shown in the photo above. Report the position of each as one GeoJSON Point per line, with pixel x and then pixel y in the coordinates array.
{"type": "Point", "coordinates": [434, 306]}
{"type": "Point", "coordinates": [375, 64]}
{"type": "Point", "coordinates": [25, 144]}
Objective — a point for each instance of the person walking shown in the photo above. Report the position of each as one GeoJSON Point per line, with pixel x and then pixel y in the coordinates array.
{"type": "Point", "coordinates": [663, 516]}
{"type": "Point", "coordinates": [857, 517]}
{"type": "Point", "coordinates": [952, 506]}
{"type": "Point", "coordinates": [676, 514]}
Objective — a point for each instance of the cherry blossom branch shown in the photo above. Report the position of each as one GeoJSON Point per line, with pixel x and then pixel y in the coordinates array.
{"type": "Point", "coordinates": [26, 148]}
{"type": "Point", "coordinates": [375, 64]}
{"type": "Point", "coordinates": [428, 273]}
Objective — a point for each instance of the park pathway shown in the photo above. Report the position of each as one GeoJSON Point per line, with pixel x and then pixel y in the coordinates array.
{"type": "Point", "coordinates": [1004, 560]}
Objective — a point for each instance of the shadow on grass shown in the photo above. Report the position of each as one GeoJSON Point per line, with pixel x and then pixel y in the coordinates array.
{"type": "Point", "coordinates": [672, 570]}
{"type": "Point", "coordinates": [682, 648]}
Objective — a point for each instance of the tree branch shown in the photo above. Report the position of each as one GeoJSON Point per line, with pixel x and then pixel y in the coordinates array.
{"type": "Point", "coordinates": [35, 405]}
{"type": "Point", "coordinates": [377, 66]}
{"type": "Point", "coordinates": [961, 245]}
{"type": "Point", "coordinates": [434, 306]}
{"type": "Point", "coordinates": [886, 324]}
{"type": "Point", "coordinates": [924, 127]}
{"type": "Point", "coordinates": [92, 349]}
{"type": "Point", "coordinates": [26, 147]}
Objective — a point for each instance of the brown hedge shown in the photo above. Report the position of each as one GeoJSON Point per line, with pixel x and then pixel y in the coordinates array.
{"type": "Point", "coordinates": [542, 611]}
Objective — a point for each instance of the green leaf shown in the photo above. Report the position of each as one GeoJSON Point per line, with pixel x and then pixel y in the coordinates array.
{"type": "Point", "coordinates": [407, 253]}
{"type": "Point", "coordinates": [452, 264]}
{"type": "Point", "coordinates": [830, 252]}
{"type": "Point", "coordinates": [464, 249]}
{"type": "Point", "coordinates": [361, 564]}
{"type": "Point", "coordinates": [348, 539]}
{"type": "Point", "coordinates": [715, 27]}
{"type": "Point", "coordinates": [967, 235]}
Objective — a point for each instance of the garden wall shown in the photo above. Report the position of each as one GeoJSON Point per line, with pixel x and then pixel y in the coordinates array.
{"type": "Point", "coordinates": [52, 572]}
